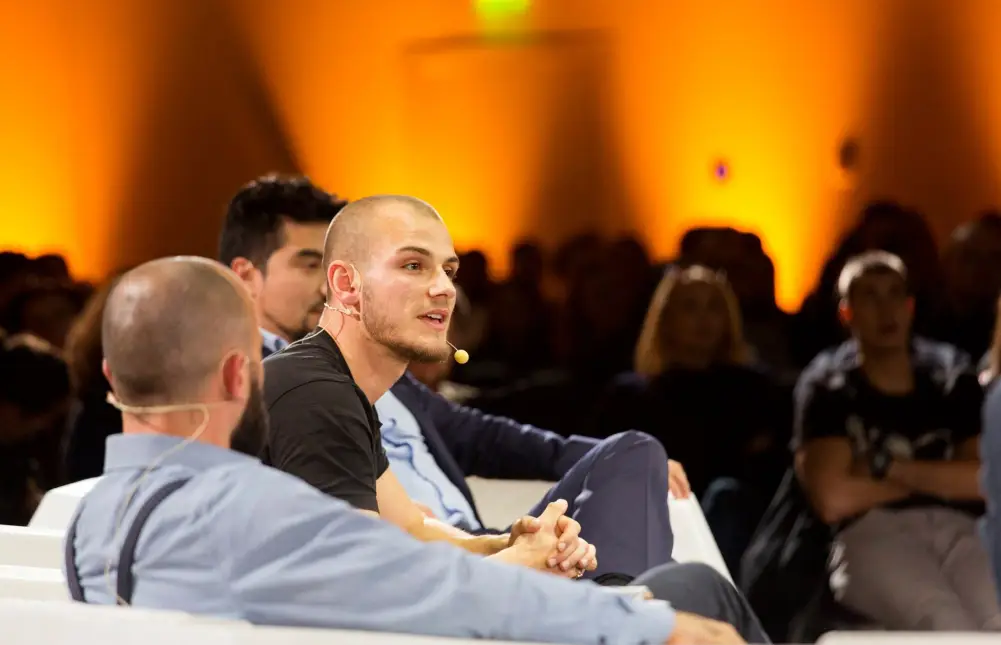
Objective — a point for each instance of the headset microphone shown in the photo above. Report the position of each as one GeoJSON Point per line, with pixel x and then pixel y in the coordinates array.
{"type": "Point", "coordinates": [461, 356]}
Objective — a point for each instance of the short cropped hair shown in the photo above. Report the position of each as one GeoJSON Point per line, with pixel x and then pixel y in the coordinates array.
{"type": "Point", "coordinates": [868, 263]}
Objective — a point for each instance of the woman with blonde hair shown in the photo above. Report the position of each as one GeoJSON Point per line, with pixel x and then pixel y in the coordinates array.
{"type": "Point", "coordinates": [693, 319]}
{"type": "Point", "coordinates": [695, 388]}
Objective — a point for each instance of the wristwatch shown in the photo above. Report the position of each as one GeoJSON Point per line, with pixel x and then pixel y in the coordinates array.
{"type": "Point", "coordinates": [879, 464]}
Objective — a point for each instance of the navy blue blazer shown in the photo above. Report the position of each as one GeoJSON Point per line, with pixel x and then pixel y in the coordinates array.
{"type": "Point", "coordinates": [467, 443]}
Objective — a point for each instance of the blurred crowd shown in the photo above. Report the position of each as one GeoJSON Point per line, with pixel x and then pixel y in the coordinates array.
{"type": "Point", "coordinates": [591, 338]}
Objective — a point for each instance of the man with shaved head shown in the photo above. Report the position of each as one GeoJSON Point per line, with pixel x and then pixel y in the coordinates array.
{"type": "Point", "coordinates": [390, 264]}
{"type": "Point", "coordinates": [181, 522]}
{"type": "Point", "coordinates": [390, 293]}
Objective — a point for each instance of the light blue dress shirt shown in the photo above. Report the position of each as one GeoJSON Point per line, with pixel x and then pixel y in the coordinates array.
{"type": "Point", "coordinates": [415, 467]}
{"type": "Point", "coordinates": [244, 541]}
{"type": "Point", "coordinates": [272, 342]}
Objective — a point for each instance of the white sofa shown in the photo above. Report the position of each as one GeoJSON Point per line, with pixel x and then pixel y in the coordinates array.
{"type": "Point", "coordinates": [57, 507]}
{"type": "Point", "coordinates": [25, 622]}
{"type": "Point", "coordinates": [29, 547]}
{"type": "Point", "coordinates": [909, 638]}
{"type": "Point", "coordinates": [499, 501]}
{"type": "Point", "coordinates": [32, 583]}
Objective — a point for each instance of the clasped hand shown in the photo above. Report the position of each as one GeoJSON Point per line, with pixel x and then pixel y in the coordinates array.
{"type": "Point", "coordinates": [552, 542]}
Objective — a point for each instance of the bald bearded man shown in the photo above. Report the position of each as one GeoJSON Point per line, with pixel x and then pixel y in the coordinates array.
{"type": "Point", "coordinates": [181, 522]}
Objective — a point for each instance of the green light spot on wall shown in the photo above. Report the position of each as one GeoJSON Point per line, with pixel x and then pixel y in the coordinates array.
{"type": "Point", "coordinates": [501, 9]}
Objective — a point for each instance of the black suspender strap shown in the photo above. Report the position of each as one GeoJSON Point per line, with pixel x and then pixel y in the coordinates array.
{"type": "Point", "coordinates": [126, 558]}
{"type": "Point", "coordinates": [72, 575]}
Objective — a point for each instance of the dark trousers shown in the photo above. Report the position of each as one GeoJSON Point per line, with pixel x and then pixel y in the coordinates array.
{"type": "Point", "coordinates": [697, 588]}
{"type": "Point", "coordinates": [733, 510]}
{"type": "Point", "coordinates": [618, 494]}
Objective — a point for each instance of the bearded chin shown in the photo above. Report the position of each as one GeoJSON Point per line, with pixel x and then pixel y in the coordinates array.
{"type": "Point", "coordinates": [381, 332]}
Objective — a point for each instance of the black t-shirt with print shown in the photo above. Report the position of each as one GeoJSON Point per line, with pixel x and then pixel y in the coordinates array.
{"type": "Point", "coordinates": [928, 423]}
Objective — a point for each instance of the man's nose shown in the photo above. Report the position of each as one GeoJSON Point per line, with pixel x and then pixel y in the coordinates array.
{"type": "Point", "coordinates": [442, 286]}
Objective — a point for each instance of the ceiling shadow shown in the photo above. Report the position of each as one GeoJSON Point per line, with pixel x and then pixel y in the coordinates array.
{"type": "Point", "coordinates": [581, 187]}
{"type": "Point", "coordinates": [924, 144]}
{"type": "Point", "coordinates": [210, 127]}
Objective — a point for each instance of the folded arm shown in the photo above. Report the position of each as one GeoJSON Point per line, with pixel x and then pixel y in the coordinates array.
{"type": "Point", "coordinates": [954, 481]}
{"type": "Point", "coordinates": [345, 570]}
{"type": "Point", "coordinates": [824, 469]}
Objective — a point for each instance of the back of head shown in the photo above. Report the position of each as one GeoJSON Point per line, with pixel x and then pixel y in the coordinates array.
{"type": "Point", "coordinates": [254, 217]}
{"type": "Point", "coordinates": [169, 324]}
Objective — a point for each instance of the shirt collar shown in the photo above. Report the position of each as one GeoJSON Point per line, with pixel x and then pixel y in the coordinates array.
{"type": "Point", "coordinates": [273, 341]}
{"type": "Point", "coordinates": [139, 451]}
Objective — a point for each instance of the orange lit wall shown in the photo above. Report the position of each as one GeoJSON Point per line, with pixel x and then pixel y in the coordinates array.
{"type": "Point", "coordinates": [126, 127]}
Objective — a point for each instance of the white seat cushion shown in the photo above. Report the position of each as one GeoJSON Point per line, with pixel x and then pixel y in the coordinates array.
{"type": "Point", "coordinates": [28, 547]}
{"type": "Point", "coordinates": [908, 638]}
{"type": "Point", "coordinates": [33, 583]}
{"type": "Point", "coordinates": [30, 623]}
{"type": "Point", "coordinates": [59, 504]}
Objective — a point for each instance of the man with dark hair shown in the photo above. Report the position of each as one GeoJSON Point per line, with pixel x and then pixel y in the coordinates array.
{"type": "Point", "coordinates": [886, 433]}
{"type": "Point", "coordinates": [273, 239]}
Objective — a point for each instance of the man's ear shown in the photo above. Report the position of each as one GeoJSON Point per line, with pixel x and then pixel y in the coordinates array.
{"type": "Point", "coordinates": [845, 313]}
{"type": "Point", "coordinates": [249, 274]}
{"type": "Point", "coordinates": [234, 378]}
{"type": "Point", "coordinates": [106, 370]}
{"type": "Point", "coordinates": [344, 283]}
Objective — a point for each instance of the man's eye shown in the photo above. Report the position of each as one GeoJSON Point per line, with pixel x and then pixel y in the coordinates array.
{"type": "Point", "coordinates": [412, 266]}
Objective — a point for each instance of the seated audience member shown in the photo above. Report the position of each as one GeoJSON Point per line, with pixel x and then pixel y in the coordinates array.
{"type": "Point", "coordinates": [972, 261]}
{"type": "Point", "coordinates": [45, 310]}
{"type": "Point", "coordinates": [180, 522]}
{"type": "Point", "coordinates": [694, 390]}
{"type": "Point", "coordinates": [34, 397]}
{"type": "Point", "coordinates": [521, 315]}
{"type": "Point", "coordinates": [886, 451]}
{"type": "Point", "coordinates": [272, 238]}
{"type": "Point", "coordinates": [92, 418]}
{"type": "Point", "coordinates": [884, 226]}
